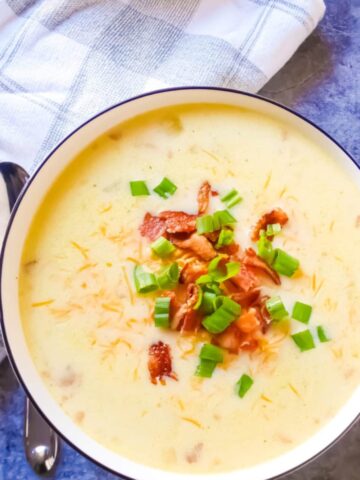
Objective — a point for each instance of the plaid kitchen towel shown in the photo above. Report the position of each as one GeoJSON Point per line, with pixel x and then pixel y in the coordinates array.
{"type": "Point", "coordinates": [62, 61]}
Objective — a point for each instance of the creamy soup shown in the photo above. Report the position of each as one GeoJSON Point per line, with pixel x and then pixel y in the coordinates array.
{"type": "Point", "coordinates": [89, 331]}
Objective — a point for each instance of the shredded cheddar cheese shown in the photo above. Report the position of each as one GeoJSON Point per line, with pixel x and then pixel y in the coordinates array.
{"type": "Point", "coordinates": [43, 303]}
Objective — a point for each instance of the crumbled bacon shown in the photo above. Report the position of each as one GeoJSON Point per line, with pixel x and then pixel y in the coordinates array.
{"type": "Point", "coordinates": [254, 262]}
{"type": "Point", "coordinates": [173, 302]}
{"type": "Point", "coordinates": [159, 363]}
{"type": "Point", "coordinates": [245, 280]}
{"type": "Point", "coordinates": [212, 236]}
{"type": "Point", "coordinates": [275, 216]}
{"type": "Point", "coordinates": [232, 249]}
{"type": "Point", "coordinates": [249, 342]}
{"type": "Point", "coordinates": [204, 197]}
{"type": "Point", "coordinates": [191, 322]}
{"type": "Point", "coordinates": [230, 339]}
{"type": "Point", "coordinates": [152, 227]}
{"type": "Point", "coordinates": [246, 331]}
{"type": "Point", "coordinates": [175, 222]}
{"type": "Point", "coordinates": [178, 222]}
{"type": "Point", "coordinates": [234, 340]}
{"type": "Point", "coordinates": [197, 244]}
{"type": "Point", "coordinates": [186, 319]}
{"type": "Point", "coordinates": [192, 270]}
{"type": "Point", "coordinates": [167, 222]}
{"type": "Point", "coordinates": [248, 321]}
{"type": "Point", "coordinates": [246, 299]}
{"type": "Point", "coordinates": [262, 312]}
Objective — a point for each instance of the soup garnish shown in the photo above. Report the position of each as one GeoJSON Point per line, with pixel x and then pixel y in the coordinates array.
{"type": "Point", "coordinates": [218, 288]}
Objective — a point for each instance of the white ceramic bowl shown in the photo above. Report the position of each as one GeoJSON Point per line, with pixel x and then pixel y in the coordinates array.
{"type": "Point", "coordinates": [19, 224]}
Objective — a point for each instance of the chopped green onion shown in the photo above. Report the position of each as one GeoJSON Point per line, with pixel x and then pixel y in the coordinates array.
{"type": "Point", "coordinates": [145, 282]}
{"type": "Point", "coordinates": [244, 385]}
{"type": "Point", "coordinates": [222, 218]}
{"type": "Point", "coordinates": [211, 223]}
{"type": "Point", "coordinates": [232, 198]}
{"type": "Point", "coordinates": [207, 278]}
{"type": "Point", "coordinates": [208, 302]}
{"type": "Point", "coordinates": [218, 321]}
{"type": "Point", "coordinates": [226, 237]}
{"type": "Point", "coordinates": [223, 316]}
{"type": "Point", "coordinates": [322, 335]}
{"type": "Point", "coordinates": [302, 312]}
{"type": "Point", "coordinates": [162, 312]}
{"type": "Point", "coordinates": [210, 356]}
{"type": "Point", "coordinates": [276, 308]}
{"type": "Point", "coordinates": [211, 352]}
{"type": "Point", "coordinates": [273, 229]}
{"type": "Point", "coordinates": [205, 368]}
{"type": "Point", "coordinates": [165, 188]}
{"type": "Point", "coordinates": [284, 263]}
{"type": "Point", "coordinates": [304, 340]}
{"type": "Point", "coordinates": [168, 276]}
{"type": "Point", "coordinates": [199, 301]}
{"type": "Point", "coordinates": [204, 224]}
{"type": "Point", "coordinates": [138, 187]}
{"type": "Point", "coordinates": [218, 276]}
{"type": "Point", "coordinates": [265, 249]}
{"type": "Point", "coordinates": [162, 247]}
{"type": "Point", "coordinates": [232, 269]}
{"type": "Point", "coordinates": [213, 288]}
{"type": "Point", "coordinates": [214, 263]}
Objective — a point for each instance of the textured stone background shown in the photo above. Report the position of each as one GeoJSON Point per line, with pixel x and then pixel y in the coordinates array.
{"type": "Point", "coordinates": [321, 81]}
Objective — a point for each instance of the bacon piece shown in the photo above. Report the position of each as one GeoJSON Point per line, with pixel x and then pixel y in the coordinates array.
{"type": "Point", "coordinates": [212, 236]}
{"type": "Point", "coordinates": [197, 244]}
{"type": "Point", "coordinates": [152, 227]}
{"type": "Point", "coordinates": [246, 299]}
{"type": "Point", "coordinates": [173, 302]}
{"type": "Point", "coordinates": [234, 340]}
{"type": "Point", "coordinates": [252, 261]}
{"type": "Point", "coordinates": [245, 279]}
{"type": "Point", "coordinates": [248, 321]}
{"type": "Point", "coordinates": [178, 222]}
{"type": "Point", "coordinates": [262, 313]}
{"type": "Point", "coordinates": [232, 249]}
{"type": "Point", "coordinates": [249, 342]}
{"type": "Point", "coordinates": [275, 216]}
{"type": "Point", "coordinates": [186, 319]}
{"type": "Point", "coordinates": [191, 322]}
{"type": "Point", "coordinates": [204, 197]}
{"type": "Point", "coordinates": [159, 363]}
{"type": "Point", "coordinates": [257, 302]}
{"type": "Point", "coordinates": [192, 271]}
{"type": "Point", "coordinates": [230, 339]}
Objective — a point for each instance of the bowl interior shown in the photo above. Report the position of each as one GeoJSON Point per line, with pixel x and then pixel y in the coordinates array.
{"type": "Point", "coordinates": [20, 222]}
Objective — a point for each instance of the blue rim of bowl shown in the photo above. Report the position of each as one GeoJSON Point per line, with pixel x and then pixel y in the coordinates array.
{"type": "Point", "coordinates": [27, 186]}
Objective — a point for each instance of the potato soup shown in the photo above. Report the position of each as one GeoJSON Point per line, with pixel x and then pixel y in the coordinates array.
{"type": "Point", "coordinates": [210, 324]}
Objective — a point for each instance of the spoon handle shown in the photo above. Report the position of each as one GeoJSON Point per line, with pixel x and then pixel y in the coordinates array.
{"type": "Point", "coordinates": [41, 442]}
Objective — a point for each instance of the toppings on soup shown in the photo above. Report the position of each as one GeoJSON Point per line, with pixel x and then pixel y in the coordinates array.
{"type": "Point", "coordinates": [210, 285]}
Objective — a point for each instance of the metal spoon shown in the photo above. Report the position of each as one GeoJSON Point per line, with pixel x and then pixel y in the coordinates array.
{"type": "Point", "coordinates": [41, 442]}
